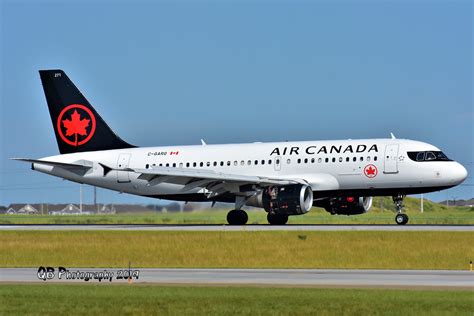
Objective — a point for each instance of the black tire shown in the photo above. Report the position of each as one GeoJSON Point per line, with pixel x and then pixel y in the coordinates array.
{"type": "Point", "coordinates": [406, 219]}
{"type": "Point", "coordinates": [401, 219]}
{"type": "Point", "coordinates": [277, 219]}
{"type": "Point", "coordinates": [237, 217]}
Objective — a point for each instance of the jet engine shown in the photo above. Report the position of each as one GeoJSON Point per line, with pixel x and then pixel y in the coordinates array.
{"type": "Point", "coordinates": [349, 205]}
{"type": "Point", "coordinates": [294, 199]}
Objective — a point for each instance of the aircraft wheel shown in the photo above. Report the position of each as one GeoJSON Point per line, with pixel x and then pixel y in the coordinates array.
{"type": "Point", "coordinates": [237, 217]}
{"type": "Point", "coordinates": [277, 219]}
{"type": "Point", "coordinates": [401, 219]}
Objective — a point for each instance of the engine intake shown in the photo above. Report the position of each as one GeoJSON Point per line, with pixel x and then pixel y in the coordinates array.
{"type": "Point", "coordinates": [349, 205]}
{"type": "Point", "coordinates": [294, 199]}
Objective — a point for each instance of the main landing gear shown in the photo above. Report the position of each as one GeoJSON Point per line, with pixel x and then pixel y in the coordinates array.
{"type": "Point", "coordinates": [277, 219]}
{"type": "Point", "coordinates": [400, 218]}
{"type": "Point", "coordinates": [237, 217]}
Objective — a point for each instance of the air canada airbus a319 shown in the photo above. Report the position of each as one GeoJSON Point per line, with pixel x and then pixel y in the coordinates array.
{"type": "Point", "coordinates": [284, 178]}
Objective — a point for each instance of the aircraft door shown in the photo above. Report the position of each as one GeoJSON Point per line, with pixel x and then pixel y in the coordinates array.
{"type": "Point", "coordinates": [277, 163]}
{"type": "Point", "coordinates": [122, 163]}
{"type": "Point", "coordinates": [391, 159]}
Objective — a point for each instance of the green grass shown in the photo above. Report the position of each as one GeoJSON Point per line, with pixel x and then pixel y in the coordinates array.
{"type": "Point", "coordinates": [241, 249]}
{"type": "Point", "coordinates": [49, 299]}
{"type": "Point", "coordinates": [382, 212]}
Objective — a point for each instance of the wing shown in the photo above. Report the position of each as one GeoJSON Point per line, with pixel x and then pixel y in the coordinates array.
{"type": "Point", "coordinates": [215, 183]}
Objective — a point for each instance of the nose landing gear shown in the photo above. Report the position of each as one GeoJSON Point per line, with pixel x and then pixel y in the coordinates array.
{"type": "Point", "coordinates": [400, 218]}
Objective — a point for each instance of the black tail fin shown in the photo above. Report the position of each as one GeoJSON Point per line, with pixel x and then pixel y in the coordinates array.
{"type": "Point", "coordinates": [78, 127]}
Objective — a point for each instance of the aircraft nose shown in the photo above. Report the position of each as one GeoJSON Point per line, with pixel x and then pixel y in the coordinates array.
{"type": "Point", "coordinates": [458, 173]}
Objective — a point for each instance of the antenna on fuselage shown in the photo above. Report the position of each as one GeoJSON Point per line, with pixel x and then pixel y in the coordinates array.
{"type": "Point", "coordinates": [203, 142]}
{"type": "Point", "coordinates": [393, 136]}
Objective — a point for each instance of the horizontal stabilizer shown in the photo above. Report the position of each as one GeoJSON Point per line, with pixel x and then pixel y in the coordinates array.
{"type": "Point", "coordinates": [82, 164]}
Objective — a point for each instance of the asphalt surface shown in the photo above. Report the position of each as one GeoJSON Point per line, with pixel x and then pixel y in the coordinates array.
{"type": "Point", "coordinates": [330, 227]}
{"type": "Point", "coordinates": [264, 277]}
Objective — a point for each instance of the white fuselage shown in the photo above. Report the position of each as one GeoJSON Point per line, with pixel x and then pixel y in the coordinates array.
{"type": "Point", "coordinates": [329, 167]}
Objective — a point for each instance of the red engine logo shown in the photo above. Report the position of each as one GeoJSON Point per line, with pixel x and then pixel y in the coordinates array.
{"type": "Point", "coordinates": [370, 171]}
{"type": "Point", "coordinates": [76, 124]}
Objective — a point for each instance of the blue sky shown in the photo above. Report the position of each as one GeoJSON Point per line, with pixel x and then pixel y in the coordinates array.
{"type": "Point", "coordinates": [174, 72]}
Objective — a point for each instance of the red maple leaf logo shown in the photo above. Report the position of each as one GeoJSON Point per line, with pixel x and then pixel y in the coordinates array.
{"type": "Point", "coordinates": [76, 126]}
{"type": "Point", "coordinates": [370, 171]}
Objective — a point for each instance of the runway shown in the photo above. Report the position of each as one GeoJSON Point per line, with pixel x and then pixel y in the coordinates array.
{"type": "Point", "coordinates": [330, 227]}
{"type": "Point", "coordinates": [267, 277]}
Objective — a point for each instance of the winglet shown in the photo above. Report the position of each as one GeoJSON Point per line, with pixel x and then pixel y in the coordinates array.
{"type": "Point", "coordinates": [393, 136]}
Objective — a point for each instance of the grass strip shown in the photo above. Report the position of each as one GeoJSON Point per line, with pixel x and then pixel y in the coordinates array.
{"type": "Point", "coordinates": [159, 300]}
{"type": "Point", "coordinates": [244, 249]}
{"type": "Point", "coordinates": [382, 212]}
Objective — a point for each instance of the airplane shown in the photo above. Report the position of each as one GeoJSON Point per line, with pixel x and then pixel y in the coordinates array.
{"type": "Point", "coordinates": [284, 178]}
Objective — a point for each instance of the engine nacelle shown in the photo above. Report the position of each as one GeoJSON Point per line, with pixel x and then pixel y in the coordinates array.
{"type": "Point", "coordinates": [349, 205]}
{"type": "Point", "coordinates": [294, 199]}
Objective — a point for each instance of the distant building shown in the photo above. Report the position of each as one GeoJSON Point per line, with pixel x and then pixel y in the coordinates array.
{"type": "Point", "coordinates": [27, 209]}
{"type": "Point", "coordinates": [69, 209]}
{"type": "Point", "coordinates": [10, 211]}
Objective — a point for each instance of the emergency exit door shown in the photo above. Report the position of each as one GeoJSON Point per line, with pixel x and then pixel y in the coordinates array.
{"type": "Point", "coordinates": [122, 163]}
{"type": "Point", "coordinates": [391, 159]}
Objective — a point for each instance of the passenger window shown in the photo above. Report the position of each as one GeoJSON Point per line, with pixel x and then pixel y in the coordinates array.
{"type": "Point", "coordinates": [187, 165]}
{"type": "Point", "coordinates": [242, 162]}
{"type": "Point", "coordinates": [181, 165]}
{"type": "Point", "coordinates": [270, 161]}
{"type": "Point", "coordinates": [306, 160]}
{"type": "Point", "coordinates": [347, 159]}
{"type": "Point", "coordinates": [208, 164]}
{"type": "Point", "coordinates": [340, 159]}
{"type": "Point", "coordinates": [430, 156]}
{"type": "Point", "coordinates": [361, 158]}
{"type": "Point", "coordinates": [256, 162]}
{"type": "Point", "coordinates": [228, 163]}
{"type": "Point", "coordinates": [194, 164]}
{"type": "Point", "coordinates": [320, 160]}
{"type": "Point", "coordinates": [299, 160]}
{"type": "Point", "coordinates": [368, 158]}
{"type": "Point", "coordinates": [201, 164]}
{"type": "Point", "coordinates": [354, 159]}
{"type": "Point", "coordinates": [167, 165]}
{"type": "Point", "coordinates": [375, 158]}
{"type": "Point", "coordinates": [249, 162]}
{"type": "Point", "coordinates": [288, 161]}
{"type": "Point", "coordinates": [222, 163]}
{"type": "Point", "coordinates": [420, 156]}
{"type": "Point", "coordinates": [147, 166]}
{"type": "Point", "coordinates": [235, 162]}
{"type": "Point", "coordinates": [327, 160]}
{"type": "Point", "coordinates": [333, 159]}
{"type": "Point", "coordinates": [263, 162]}
{"type": "Point", "coordinates": [313, 160]}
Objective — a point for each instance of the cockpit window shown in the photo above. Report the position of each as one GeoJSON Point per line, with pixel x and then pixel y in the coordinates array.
{"type": "Point", "coordinates": [427, 156]}
{"type": "Point", "coordinates": [420, 156]}
{"type": "Point", "coordinates": [430, 156]}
